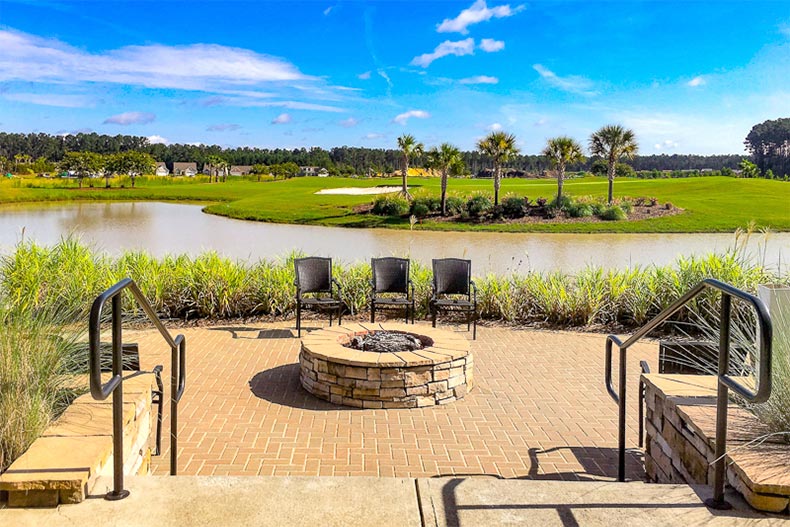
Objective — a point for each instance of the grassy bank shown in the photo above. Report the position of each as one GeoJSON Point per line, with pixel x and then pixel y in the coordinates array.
{"type": "Point", "coordinates": [69, 274]}
{"type": "Point", "coordinates": [711, 204]}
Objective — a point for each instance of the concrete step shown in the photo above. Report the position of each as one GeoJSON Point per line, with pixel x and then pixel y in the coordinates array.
{"type": "Point", "coordinates": [198, 501]}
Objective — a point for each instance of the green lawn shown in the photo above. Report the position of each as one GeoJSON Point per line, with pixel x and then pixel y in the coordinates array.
{"type": "Point", "coordinates": [712, 204]}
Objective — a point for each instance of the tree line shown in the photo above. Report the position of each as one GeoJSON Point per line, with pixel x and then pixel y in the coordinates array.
{"type": "Point", "coordinates": [343, 160]}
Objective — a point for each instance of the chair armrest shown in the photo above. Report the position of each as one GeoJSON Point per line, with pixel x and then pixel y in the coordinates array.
{"type": "Point", "coordinates": [411, 288]}
{"type": "Point", "coordinates": [337, 284]}
{"type": "Point", "coordinates": [474, 290]}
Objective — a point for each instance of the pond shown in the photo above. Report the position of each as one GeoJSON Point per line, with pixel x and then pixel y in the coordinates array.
{"type": "Point", "coordinates": [162, 228]}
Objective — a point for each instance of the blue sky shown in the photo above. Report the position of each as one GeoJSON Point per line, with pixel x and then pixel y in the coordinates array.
{"type": "Point", "coordinates": [688, 77]}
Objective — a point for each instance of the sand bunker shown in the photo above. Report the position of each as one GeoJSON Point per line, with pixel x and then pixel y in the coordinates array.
{"type": "Point", "coordinates": [359, 191]}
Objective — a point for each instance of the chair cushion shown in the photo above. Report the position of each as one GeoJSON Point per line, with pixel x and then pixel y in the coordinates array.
{"type": "Point", "coordinates": [451, 303]}
{"type": "Point", "coordinates": [392, 301]}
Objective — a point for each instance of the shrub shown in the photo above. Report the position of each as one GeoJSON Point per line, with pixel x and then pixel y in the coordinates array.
{"type": "Point", "coordinates": [514, 207]}
{"type": "Point", "coordinates": [653, 202]}
{"type": "Point", "coordinates": [597, 208]}
{"type": "Point", "coordinates": [563, 204]}
{"type": "Point", "coordinates": [542, 202]}
{"type": "Point", "coordinates": [454, 204]}
{"type": "Point", "coordinates": [420, 208]}
{"type": "Point", "coordinates": [613, 213]}
{"type": "Point", "coordinates": [626, 206]}
{"type": "Point", "coordinates": [668, 205]}
{"type": "Point", "coordinates": [390, 206]}
{"type": "Point", "coordinates": [579, 210]}
{"type": "Point", "coordinates": [478, 205]}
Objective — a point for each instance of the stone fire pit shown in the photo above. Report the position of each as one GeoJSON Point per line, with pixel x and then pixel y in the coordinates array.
{"type": "Point", "coordinates": [438, 373]}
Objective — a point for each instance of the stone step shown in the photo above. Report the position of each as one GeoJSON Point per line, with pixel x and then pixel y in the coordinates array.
{"type": "Point", "coordinates": [202, 501]}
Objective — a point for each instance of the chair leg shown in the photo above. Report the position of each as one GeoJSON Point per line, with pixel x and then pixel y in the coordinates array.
{"type": "Point", "coordinates": [372, 312]}
{"type": "Point", "coordinates": [298, 320]}
{"type": "Point", "coordinates": [433, 316]}
{"type": "Point", "coordinates": [474, 327]}
{"type": "Point", "coordinates": [331, 312]}
{"type": "Point", "coordinates": [412, 311]}
{"type": "Point", "coordinates": [468, 321]}
{"type": "Point", "coordinates": [340, 315]}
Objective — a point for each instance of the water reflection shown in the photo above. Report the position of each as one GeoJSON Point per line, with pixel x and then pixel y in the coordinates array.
{"type": "Point", "coordinates": [162, 228]}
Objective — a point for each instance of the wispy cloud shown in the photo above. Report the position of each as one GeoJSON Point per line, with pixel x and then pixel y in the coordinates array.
{"type": "Point", "coordinates": [328, 10]}
{"type": "Point", "coordinates": [158, 140]}
{"type": "Point", "coordinates": [283, 118]}
{"type": "Point", "coordinates": [52, 99]}
{"type": "Point", "coordinates": [494, 127]}
{"type": "Point", "coordinates": [372, 136]}
{"type": "Point", "coordinates": [223, 127]}
{"type": "Point", "coordinates": [349, 123]}
{"type": "Point", "coordinates": [479, 79]}
{"type": "Point", "coordinates": [696, 81]}
{"type": "Point", "coordinates": [128, 118]}
{"type": "Point", "coordinates": [458, 48]}
{"type": "Point", "coordinates": [478, 12]}
{"type": "Point", "coordinates": [666, 145]}
{"type": "Point", "coordinates": [571, 83]}
{"type": "Point", "coordinates": [405, 116]}
{"type": "Point", "coordinates": [209, 68]}
{"type": "Point", "coordinates": [364, 76]}
{"type": "Point", "coordinates": [489, 45]}
{"type": "Point", "coordinates": [784, 29]}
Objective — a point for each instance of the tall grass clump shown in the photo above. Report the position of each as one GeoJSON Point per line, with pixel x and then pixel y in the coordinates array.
{"type": "Point", "coordinates": [38, 355]}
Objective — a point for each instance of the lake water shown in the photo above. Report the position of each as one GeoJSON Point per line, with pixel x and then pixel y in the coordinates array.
{"type": "Point", "coordinates": [162, 228]}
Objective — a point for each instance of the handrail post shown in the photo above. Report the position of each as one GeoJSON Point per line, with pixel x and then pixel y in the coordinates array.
{"type": "Point", "coordinates": [621, 418]}
{"type": "Point", "coordinates": [174, 369]}
{"type": "Point", "coordinates": [722, 401]}
{"type": "Point", "coordinates": [118, 492]}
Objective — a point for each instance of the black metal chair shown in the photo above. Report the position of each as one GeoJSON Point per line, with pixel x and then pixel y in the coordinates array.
{"type": "Point", "coordinates": [452, 277]}
{"type": "Point", "coordinates": [314, 275]}
{"type": "Point", "coordinates": [391, 276]}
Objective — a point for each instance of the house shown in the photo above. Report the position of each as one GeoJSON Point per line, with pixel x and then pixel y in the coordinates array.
{"type": "Point", "coordinates": [240, 170]}
{"type": "Point", "coordinates": [313, 171]}
{"type": "Point", "coordinates": [161, 169]}
{"type": "Point", "coordinates": [185, 169]}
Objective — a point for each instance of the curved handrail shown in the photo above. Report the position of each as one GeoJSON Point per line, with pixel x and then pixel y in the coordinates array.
{"type": "Point", "coordinates": [114, 385]}
{"type": "Point", "coordinates": [725, 381]}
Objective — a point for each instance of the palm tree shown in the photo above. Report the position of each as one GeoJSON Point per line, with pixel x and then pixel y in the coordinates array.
{"type": "Point", "coordinates": [562, 151]}
{"type": "Point", "coordinates": [410, 148]}
{"type": "Point", "coordinates": [500, 147]}
{"type": "Point", "coordinates": [446, 159]}
{"type": "Point", "coordinates": [613, 142]}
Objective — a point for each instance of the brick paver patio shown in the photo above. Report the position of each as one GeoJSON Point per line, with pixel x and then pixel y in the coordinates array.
{"type": "Point", "coordinates": [538, 410]}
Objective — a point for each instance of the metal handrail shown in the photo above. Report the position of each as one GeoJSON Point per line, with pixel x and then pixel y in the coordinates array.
{"type": "Point", "coordinates": [725, 381]}
{"type": "Point", "coordinates": [114, 385]}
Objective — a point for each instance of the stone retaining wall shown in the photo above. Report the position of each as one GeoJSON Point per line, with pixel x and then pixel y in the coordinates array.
{"type": "Point", "coordinates": [680, 431]}
{"type": "Point", "coordinates": [63, 465]}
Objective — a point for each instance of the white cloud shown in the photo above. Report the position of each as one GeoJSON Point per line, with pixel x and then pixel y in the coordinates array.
{"type": "Point", "coordinates": [479, 79]}
{"type": "Point", "coordinates": [571, 83]}
{"type": "Point", "coordinates": [158, 140]}
{"type": "Point", "coordinates": [404, 117]}
{"type": "Point", "coordinates": [128, 118]}
{"type": "Point", "coordinates": [52, 99]}
{"type": "Point", "coordinates": [328, 10]}
{"type": "Point", "coordinates": [540, 122]}
{"type": "Point", "coordinates": [349, 123]}
{"type": "Point", "coordinates": [223, 127]}
{"type": "Point", "coordinates": [209, 68]}
{"type": "Point", "coordinates": [364, 76]}
{"type": "Point", "coordinates": [457, 48]}
{"type": "Point", "coordinates": [489, 45]}
{"type": "Point", "coordinates": [283, 118]}
{"type": "Point", "coordinates": [372, 136]}
{"type": "Point", "coordinates": [667, 144]}
{"type": "Point", "coordinates": [494, 127]}
{"type": "Point", "coordinates": [784, 29]}
{"type": "Point", "coordinates": [478, 12]}
{"type": "Point", "coordinates": [696, 81]}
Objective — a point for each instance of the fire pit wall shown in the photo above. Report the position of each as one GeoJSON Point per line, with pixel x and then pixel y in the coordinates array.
{"type": "Point", "coordinates": [439, 373]}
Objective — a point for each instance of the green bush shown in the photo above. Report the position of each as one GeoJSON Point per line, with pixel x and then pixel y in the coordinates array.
{"type": "Point", "coordinates": [514, 207]}
{"type": "Point", "coordinates": [579, 210]}
{"type": "Point", "coordinates": [454, 204]}
{"type": "Point", "coordinates": [390, 206]}
{"type": "Point", "coordinates": [563, 204]}
{"type": "Point", "coordinates": [420, 208]}
{"type": "Point", "coordinates": [613, 213]}
{"type": "Point", "coordinates": [478, 205]}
